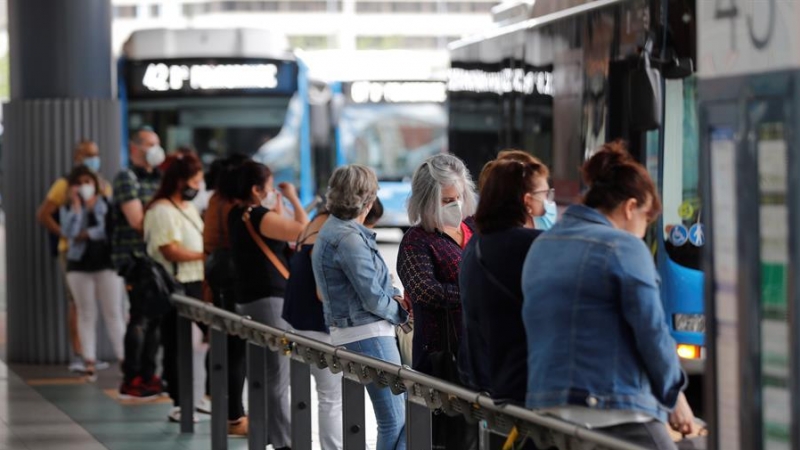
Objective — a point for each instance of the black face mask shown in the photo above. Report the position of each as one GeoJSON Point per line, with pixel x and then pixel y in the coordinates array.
{"type": "Point", "coordinates": [189, 194]}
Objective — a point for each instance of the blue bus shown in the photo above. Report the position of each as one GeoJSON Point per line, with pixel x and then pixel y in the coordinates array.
{"type": "Point", "coordinates": [221, 91]}
{"type": "Point", "coordinates": [560, 82]}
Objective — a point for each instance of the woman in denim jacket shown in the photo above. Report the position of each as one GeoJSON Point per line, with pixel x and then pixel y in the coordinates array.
{"type": "Point", "coordinates": [599, 349]}
{"type": "Point", "coordinates": [359, 302]}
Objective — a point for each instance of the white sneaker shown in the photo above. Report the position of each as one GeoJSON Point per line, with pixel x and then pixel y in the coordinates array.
{"type": "Point", "coordinates": [203, 405]}
{"type": "Point", "coordinates": [101, 365]}
{"type": "Point", "coordinates": [77, 365]}
{"type": "Point", "coordinates": [175, 415]}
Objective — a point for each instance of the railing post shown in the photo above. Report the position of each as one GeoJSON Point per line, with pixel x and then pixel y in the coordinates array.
{"type": "Point", "coordinates": [185, 375]}
{"type": "Point", "coordinates": [219, 390]}
{"type": "Point", "coordinates": [353, 414]}
{"type": "Point", "coordinates": [301, 405]}
{"type": "Point", "coordinates": [257, 396]}
{"type": "Point", "coordinates": [418, 426]}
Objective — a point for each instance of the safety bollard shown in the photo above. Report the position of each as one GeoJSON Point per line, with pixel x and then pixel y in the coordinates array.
{"type": "Point", "coordinates": [418, 426]}
{"type": "Point", "coordinates": [219, 390]}
{"type": "Point", "coordinates": [301, 405]}
{"type": "Point", "coordinates": [257, 396]}
{"type": "Point", "coordinates": [185, 375]}
{"type": "Point", "coordinates": [353, 414]}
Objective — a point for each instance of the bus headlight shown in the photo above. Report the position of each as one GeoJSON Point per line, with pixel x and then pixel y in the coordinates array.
{"type": "Point", "coordinates": [695, 323]}
{"type": "Point", "coordinates": [686, 351]}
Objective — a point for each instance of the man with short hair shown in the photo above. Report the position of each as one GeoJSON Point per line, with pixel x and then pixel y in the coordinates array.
{"type": "Point", "coordinates": [86, 153]}
{"type": "Point", "coordinates": [133, 189]}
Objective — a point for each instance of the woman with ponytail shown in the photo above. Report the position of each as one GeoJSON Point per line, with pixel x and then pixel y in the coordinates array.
{"type": "Point", "coordinates": [599, 350]}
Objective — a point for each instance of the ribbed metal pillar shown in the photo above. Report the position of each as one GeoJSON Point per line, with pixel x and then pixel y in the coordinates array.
{"type": "Point", "coordinates": [38, 144]}
{"type": "Point", "coordinates": [61, 92]}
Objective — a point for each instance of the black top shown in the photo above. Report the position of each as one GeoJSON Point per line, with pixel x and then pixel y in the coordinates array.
{"type": "Point", "coordinates": [256, 276]}
{"type": "Point", "coordinates": [494, 353]}
{"type": "Point", "coordinates": [301, 308]}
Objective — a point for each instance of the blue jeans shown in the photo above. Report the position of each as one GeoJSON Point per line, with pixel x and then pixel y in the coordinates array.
{"type": "Point", "coordinates": [390, 409]}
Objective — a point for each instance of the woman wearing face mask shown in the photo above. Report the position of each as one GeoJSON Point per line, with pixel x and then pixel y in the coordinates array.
{"type": "Point", "coordinates": [442, 197]}
{"type": "Point", "coordinates": [490, 278]}
{"type": "Point", "coordinates": [89, 271]}
{"type": "Point", "coordinates": [259, 233]}
{"type": "Point", "coordinates": [599, 350]}
{"type": "Point", "coordinates": [546, 217]}
{"type": "Point", "coordinates": [173, 231]}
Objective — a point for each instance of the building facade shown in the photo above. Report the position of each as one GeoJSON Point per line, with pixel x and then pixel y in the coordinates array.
{"type": "Point", "coordinates": [317, 24]}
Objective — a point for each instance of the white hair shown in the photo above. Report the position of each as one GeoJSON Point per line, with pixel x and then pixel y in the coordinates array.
{"type": "Point", "coordinates": [436, 172]}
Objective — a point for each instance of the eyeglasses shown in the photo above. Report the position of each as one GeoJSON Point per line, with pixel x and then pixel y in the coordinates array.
{"type": "Point", "coordinates": [551, 194]}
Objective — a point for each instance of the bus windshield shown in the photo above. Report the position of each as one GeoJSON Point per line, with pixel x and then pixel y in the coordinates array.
{"type": "Point", "coordinates": [392, 138]}
{"type": "Point", "coordinates": [683, 231]}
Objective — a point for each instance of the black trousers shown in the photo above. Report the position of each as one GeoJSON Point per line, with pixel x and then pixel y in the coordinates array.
{"type": "Point", "coordinates": [169, 339]}
{"type": "Point", "coordinates": [224, 297]}
{"type": "Point", "coordinates": [142, 338]}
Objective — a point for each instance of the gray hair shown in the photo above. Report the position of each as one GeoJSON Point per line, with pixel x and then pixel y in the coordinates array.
{"type": "Point", "coordinates": [350, 190]}
{"type": "Point", "coordinates": [436, 172]}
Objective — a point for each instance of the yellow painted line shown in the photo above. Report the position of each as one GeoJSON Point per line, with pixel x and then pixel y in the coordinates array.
{"type": "Point", "coordinates": [56, 381]}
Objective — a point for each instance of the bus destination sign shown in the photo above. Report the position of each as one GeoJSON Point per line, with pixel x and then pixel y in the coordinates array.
{"type": "Point", "coordinates": [228, 77]}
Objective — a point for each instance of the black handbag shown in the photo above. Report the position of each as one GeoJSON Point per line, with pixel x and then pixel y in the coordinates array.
{"type": "Point", "coordinates": [450, 432]}
{"type": "Point", "coordinates": [150, 284]}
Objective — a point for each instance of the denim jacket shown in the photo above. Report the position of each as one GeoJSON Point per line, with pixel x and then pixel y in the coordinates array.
{"type": "Point", "coordinates": [352, 277]}
{"type": "Point", "coordinates": [596, 329]}
{"type": "Point", "coordinates": [73, 223]}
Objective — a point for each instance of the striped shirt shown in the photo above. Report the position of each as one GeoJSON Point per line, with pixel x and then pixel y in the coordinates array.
{"type": "Point", "coordinates": [132, 184]}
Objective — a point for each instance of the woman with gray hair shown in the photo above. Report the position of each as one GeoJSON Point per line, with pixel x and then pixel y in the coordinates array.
{"type": "Point", "coordinates": [359, 302]}
{"type": "Point", "coordinates": [442, 197]}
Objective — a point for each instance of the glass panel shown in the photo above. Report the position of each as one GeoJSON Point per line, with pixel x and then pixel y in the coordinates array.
{"type": "Point", "coordinates": [684, 234]}
{"type": "Point", "coordinates": [723, 185]}
{"type": "Point", "coordinates": [772, 164]}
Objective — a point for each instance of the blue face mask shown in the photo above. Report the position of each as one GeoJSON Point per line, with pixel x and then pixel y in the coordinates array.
{"type": "Point", "coordinates": [92, 163]}
{"type": "Point", "coordinates": [547, 221]}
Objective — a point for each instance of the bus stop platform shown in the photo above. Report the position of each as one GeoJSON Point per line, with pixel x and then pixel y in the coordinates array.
{"type": "Point", "coordinates": [46, 407]}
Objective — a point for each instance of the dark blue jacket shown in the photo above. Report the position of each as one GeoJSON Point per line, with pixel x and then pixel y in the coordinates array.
{"type": "Point", "coordinates": [493, 354]}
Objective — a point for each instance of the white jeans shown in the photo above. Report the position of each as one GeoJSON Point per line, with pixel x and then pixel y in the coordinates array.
{"type": "Point", "coordinates": [329, 396]}
{"type": "Point", "coordinates": [89, 289]}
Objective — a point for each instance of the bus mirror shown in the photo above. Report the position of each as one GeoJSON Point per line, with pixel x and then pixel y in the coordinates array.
{"type": "Point", "coordinates": [644, 96]}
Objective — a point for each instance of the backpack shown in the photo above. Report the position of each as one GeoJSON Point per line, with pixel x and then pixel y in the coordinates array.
{"type": "Point", "coordinates": [149, 282]}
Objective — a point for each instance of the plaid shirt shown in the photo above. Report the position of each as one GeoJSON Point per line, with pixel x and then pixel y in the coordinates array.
{"type": "Point", "coordinates": [132, 184]}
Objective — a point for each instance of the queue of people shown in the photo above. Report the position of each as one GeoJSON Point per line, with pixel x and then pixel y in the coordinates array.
{"type": "Point", "coordinates": [562, 317]}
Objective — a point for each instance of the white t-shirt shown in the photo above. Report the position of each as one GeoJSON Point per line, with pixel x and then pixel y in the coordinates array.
{"type": "Point", "coordinates": [342, 336]}
{"type": "Point", "coordinates": [164, 224]}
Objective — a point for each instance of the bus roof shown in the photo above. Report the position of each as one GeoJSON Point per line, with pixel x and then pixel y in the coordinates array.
{"type": "Point", "coordinates": [163, 43]}
{"type": "Point", "coordinates": [542, 17]}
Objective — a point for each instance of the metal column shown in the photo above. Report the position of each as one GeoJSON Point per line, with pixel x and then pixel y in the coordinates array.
{"type": "Point", "coordinates": [353, 414]}
{"type": "Point", "coordinates": [257, 396]}
{"type": "Point", "coordinates": [301, 405]}
{"type": "Point", "coordinates": [61, 92]}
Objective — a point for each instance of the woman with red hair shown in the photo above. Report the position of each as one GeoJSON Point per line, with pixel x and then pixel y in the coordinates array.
{"type": "Point", "coordinates": [173, 231]}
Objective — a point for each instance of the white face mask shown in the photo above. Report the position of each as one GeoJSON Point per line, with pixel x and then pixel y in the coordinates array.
{"type": "Point", "coordinates": [270, 200]}
{"type": "Point", "coordinates": [451, 214]}
{"type": "Point", "coordinates": [155, 156]}
{"type": "Point", "coordinates": [86, 191]}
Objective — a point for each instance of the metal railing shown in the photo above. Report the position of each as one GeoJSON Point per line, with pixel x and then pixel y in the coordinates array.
{"type": "Point", "coordinates": [424, 393]}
